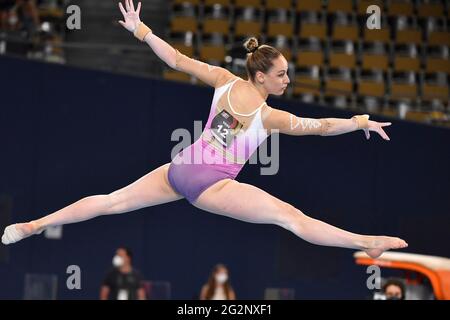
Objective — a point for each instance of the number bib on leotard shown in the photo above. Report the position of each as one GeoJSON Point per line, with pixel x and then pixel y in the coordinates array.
{"type": "Point", "coordinates": [224, 127]}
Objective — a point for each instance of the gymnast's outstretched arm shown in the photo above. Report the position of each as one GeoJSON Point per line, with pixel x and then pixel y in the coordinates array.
{"type": "Point", "coordinates": [211, 75]}
{"type": "Point", "coordinates": [288, 123]}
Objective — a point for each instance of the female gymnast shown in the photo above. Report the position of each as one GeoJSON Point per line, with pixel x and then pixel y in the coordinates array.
{"type": "Point", "coordinates": [240, 107]}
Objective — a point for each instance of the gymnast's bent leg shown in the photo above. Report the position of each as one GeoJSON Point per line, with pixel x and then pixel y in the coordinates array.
{"type": "Point", "coordinates": [249, 203]}
{"type": "Point", "coordinates": [150, 190]}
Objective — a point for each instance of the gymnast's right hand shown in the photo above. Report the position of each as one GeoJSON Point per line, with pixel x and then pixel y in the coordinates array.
{"type": "Point", "coordinates": [130, 15]}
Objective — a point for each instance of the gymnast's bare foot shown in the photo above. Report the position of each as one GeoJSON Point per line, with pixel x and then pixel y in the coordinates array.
{"type": "Point", "coordinates": [377, 245]}
{"type": "Point", "coordinates": [19, 231]}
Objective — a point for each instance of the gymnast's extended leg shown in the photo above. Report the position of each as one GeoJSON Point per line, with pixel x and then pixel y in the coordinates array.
{"type": "Point", "coordinates": [151, 189]}
{"type": "Point", "coordinates": [249, 203]}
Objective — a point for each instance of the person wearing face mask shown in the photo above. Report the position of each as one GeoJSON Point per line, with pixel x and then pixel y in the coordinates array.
{"type": "Point", "coordinates": [123, 282]}
{"type": "Point", "coordinates": [394, 290]}
{"type": "Point", "coordinates": [8, 17]}
{"type": "Point", "coordinates": [218, 286]}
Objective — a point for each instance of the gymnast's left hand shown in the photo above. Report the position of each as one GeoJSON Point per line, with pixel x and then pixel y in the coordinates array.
{"type": "Point", "coordinates": [130, 15]}
{"type": "Point", "coordinates": [378, 128]}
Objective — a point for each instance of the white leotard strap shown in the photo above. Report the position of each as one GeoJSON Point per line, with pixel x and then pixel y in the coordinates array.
{"type": "Point", "coordinates": [238, 113]}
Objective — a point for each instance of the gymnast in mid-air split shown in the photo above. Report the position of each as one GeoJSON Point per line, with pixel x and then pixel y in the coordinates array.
{"type": "Point", "coordinates": [238, 115]}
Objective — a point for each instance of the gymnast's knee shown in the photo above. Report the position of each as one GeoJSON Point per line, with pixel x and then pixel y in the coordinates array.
{"type": "Point", "coordinates": [115, 203]}
{"type": "Point", "coordinates": [289, 217]}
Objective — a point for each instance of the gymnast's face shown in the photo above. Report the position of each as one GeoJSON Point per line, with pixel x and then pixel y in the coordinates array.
{"type": "Point", "coordinates": [276, 80]}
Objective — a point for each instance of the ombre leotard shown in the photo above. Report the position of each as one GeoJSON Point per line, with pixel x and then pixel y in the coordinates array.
{"type": "Point", "coordinates": [220, 152]}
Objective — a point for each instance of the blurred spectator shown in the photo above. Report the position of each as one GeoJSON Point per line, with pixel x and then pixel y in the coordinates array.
{"type": "Point", "coordinates": [18, 15]}
{"type": "Point", "coordinates": [123, 282]}
{"type": "Point", "coordinates": [8, 17]}
{"type": "Point", "coordinates": [29, 14]}
{"type": "Point", "coordinates": [394, 290]}
{"type": "Point", "coordinates": [218, 286]}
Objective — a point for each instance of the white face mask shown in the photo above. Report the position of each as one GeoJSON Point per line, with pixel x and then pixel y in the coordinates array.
{"type": "Point", "coordinates": [221, 278]}
{"type": "Point", "coordinates": [13, 19]}
{"type": "Point", "coordinates": [118, 261]}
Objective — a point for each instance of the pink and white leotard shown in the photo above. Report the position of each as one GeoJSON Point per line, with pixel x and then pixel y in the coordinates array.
{"type": "Point", "coordinates": [220, 152]}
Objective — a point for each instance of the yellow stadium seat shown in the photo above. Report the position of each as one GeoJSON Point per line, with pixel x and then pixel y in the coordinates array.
{"type": "Point", "coordinates": [310, 58]}
{"type": "Point", "coordinates": [308, 5]}
{"type": "Point", "coordinates": [431, 92]}
{"type": "Point", "coordinates": [375, 61]}
{"type": "Point", "coordinates": [193, 2]}
{"type": "Point", "coordinates": [212, 53]}
{"type": "Point", "coordinates": [184, 49]}
{"type": "Point", "coordinates": [382, 35]}
{"type": "Point", "coordinates": [403, 90]}
{"type": "Point", "coordinates": [338, 87]}
{"type": "Point", "coordinates": [50, 12]}
{"type": "Point", "coordinates": [400, 8]}
{"type": "Point", "coordinates": [216, 25]}
{"type": "Point", "coordinates": [224, 3]}
{"type": "Point", "coordinates": [306, 85]}
{"type": "Point", "coordinates": [246, 28]}
{"type": "Point", "coordinates": [247, 3]}
{"type": "Point", "coordinates": [389, 112]}
{"type": "Point", "coordinates": [430, 10]}
{"type": "Point", "coordinates": [280, 28]}
{"type": "Point", "coordinates": [371, 88]}
{"type": "Point", "coordinates": [278, 4]}
{"type": "Point", "coordinates": [345, 32]}
{"type": "Point", "coordinates": [342, 60]}
{"type": "Point", "coordinates": [406, 64]}
{"type": "Point", "coordinates": [183, 24]}
{"type": "Point", "coordinates": [313, 30]}
{"type": "Point", "coordinates": [439, 38]}
{"type": "Point", "coordinates": [417, 115]}
{"type": "Point", "coordinates": [340, 6]}
{"type": "Point", "coordinates": [437, 65]}
{"type": "Point", "coordinates": [408, 36]}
